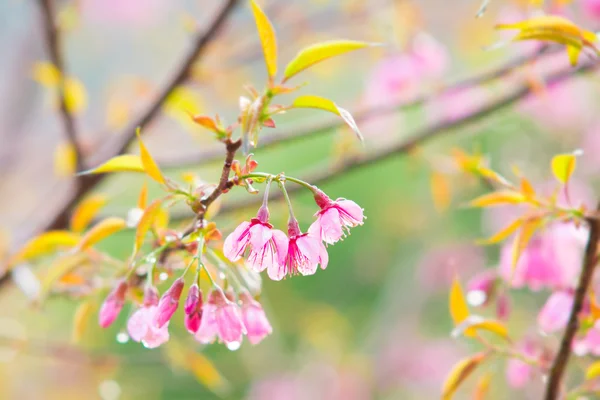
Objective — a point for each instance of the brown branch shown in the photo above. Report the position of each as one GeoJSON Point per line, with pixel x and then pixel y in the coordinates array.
{"type": "Point", "coordinates": [52, 38]}
{"type": "Point", "coordinates": [361, 115]}
{"type": "Point", "coordinates": [553, 388]}
{"type": "Point", "coordinates": [59, 218]}
{"type": "Point", "coordinates": [232, 148]}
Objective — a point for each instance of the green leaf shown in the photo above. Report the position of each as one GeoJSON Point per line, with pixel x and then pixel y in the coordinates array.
{"type": "Point", "coordinates": [321, 103]}
{"type": "Point", "coordinates": [126, 162]}
{"type": "Point", "coordinates": [319, 52]}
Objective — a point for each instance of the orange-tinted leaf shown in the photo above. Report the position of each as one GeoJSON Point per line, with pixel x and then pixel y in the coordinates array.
{"type": "Point", "coordinates": [498, 198]}
{"type": "Point", "coordinates": [319, 52]}
{"type": "Point", "coordinates": [483, 387]}
{"type": "Point", "coordinates": [459, 310]}
{"type": "Point", "coordinates": [461, 371]}
{"type": "Point", "coordinates": [85, 212]}
{"type": "Point", "coordinates": [123, 163]}
{"type": "Point", "coordinates": [440, 191]}
{"type": "Point", "coordinates": [503, 234]}
{"type": "Point", "coordinates": [148, 162]}
{"type": "Point", "coordinates": [563, 166]}
{"type": "Point", "coordinates": [84, 312]}
{"type": "Point", "coordinates": [100, 231]}
{"type": "Point", "coordinates": [143, 197]}
{"type": "Point", "coordinates": [145, 224]}
{"type": "Point", "coordinates": [526, 188]}
{"type": "Point", "coordinates": [59, 268]}
{"type": "Point", "coordinates": [206, 122]}
{"type": "Point", "coordinates": [45, 243]}
{"type": "Point", "coordinates": [528, 228]}
{"type": "Point", "coordinates": [268, 39]}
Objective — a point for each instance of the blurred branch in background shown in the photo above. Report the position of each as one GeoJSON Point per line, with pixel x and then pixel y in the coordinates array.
{"type": "Point", "coordinates": [53, 45]}
{"type": "Point", "coordinates": [59, 217]}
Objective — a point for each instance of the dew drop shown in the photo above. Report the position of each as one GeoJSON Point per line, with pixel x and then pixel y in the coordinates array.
{"type": "Point", "coordinates": [233, 346]}
{"type": "Point", "coordinates": [222, 275]}
{"type": "Point", "coordinates": [151, 260]}
{"type": "Point", "coordinates": [109, 390]}
{"type": "Point", "coordinates": [163, 276]}
{"type": "Point", "coordinates": [476, 297]}
{"type": "Point", "coordinates": [122, 337]}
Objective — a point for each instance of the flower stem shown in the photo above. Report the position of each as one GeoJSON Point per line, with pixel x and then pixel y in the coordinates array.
{"type": "Point", "coordinates": [287, 199]}
{"type": "Point", "coordinates": [201, 262]}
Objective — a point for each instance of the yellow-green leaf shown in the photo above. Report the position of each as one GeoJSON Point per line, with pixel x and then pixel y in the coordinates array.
{"type": "Point", "coordinates": [498, 198]}
{"type": "Point", "coordinates": [528, 228]}
{"type": "Point", "coordinates": [321, 103]}
{"type": "Point", "coordinates": [476, 323]}
{"type": "Point", "coordinates": [503, 234]}
{"type": "Point", "coordinates": [145, 224]}
{"type": "Point", "coordinates": [85, 212]}
{"type": "Point", "coordinates": [440, 191]}
{"type": "Point", "coordinates": [123, 163]}
{"type": "Point", "coordinates": [65, 160]}
{"type": "Point", "coordinates": [563, 166]}
{"type": "Point", "coordinates": [81, 319]}
{"type": "Point", "coordinates": [459, 310]}
{"type": "Point", "coordinates": [143, 197]}
{"type": "Point", "coordinates": [461, 371]}
{"type": "Point", "coordinates": [45, 243]}
{"type": "Point", "coordinates": [593, 371]}
{"type": "Point", "coordinates": [319, 52]}
{"type": "Point", "coordinates": [148, 162]}
{"type": "Point", "coordinates": [268, 39]}
{"type": "Point", "coordinates": [100, 231]}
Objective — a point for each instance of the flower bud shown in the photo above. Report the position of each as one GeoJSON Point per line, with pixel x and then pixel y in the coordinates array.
{"type": "Point", "coordinates": [150, 296]}
{"type": "Point", "coordinates": [168, 303]}
{"type": "Point", "coordinates": [193, 300]}
{"type": "Point", "coordinates": [255, 320]}
{"type": "Point", "coordinates": [110, 309]}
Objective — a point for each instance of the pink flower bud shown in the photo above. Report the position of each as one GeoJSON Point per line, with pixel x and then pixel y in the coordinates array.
{"type": "Point", "coordinates": [168, 303]}
{"type": "Point", "coordinates": [193, 309]}
{"type": "Point", "coordinates": [230, 327]}
{"type": "Point", "coordinates": [503, 307]}
{"type": "Point", "coordinates": [254, 318]}
{"type": "Point", "coordinates": [110, 309]}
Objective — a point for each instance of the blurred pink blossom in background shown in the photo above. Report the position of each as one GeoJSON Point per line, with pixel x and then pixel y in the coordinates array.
{"type": "Point", "coordinates": [124, 12]}
{"type": "Point", "coordinates": [554, 315]}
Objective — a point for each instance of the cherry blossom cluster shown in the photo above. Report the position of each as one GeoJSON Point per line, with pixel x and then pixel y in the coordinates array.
{"type": "Point", "coordinates": [227, 315]}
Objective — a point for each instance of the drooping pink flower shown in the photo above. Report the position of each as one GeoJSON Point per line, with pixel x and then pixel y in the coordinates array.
{"type": "Point", "coordinates": [220, 318]}
{"type": "Point", "coordinates": [142, 327]}
{"type": "Point", "coordinates": [268, 246]}
{"type": "Point", "coordinates": [335, 218]}
{"type": "Point", "coordinates": [110, 309]}
{"type": "Point", "coordinates": [552, 259]}
{"type": "Point", "coordinates": [168, 303]}
{"type": "Point", "coordinates": [193, 309]}
{"type": "Point", "coordinates": [518, 372]}
{"type": "Point", "coordinates": [255, 320]}
{"type": "Point", "coordinates": [305, 253]}
{"type": "Point", "coordinates": [591, 8]}
{"type": "Point", "coordinates": [554, 315]}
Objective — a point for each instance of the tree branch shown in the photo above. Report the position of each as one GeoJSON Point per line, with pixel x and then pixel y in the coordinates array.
{"type": "Point", "coordinates": [52, 38]}
{"type": "Point", "coordinates": [553, 388]}
{"type": "Point", "coordinates": [361, 115]}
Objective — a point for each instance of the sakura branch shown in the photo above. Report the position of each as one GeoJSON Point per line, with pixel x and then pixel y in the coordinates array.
{"type": "Point", "coordinates": [53, 45]}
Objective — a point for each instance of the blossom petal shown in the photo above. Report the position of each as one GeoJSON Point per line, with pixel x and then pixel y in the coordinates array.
{"type": "Point", "coordinates": [236, 242]}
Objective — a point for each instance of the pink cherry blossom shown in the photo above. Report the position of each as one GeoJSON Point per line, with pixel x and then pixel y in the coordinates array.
{"type": "Point", "coordinates": [554, 315]}
{"type": "Point", "coordinates": [518, 372]}
{"type": "Point", "coordinates": [551, 259]}
{"type": "Point", "coordinates": [590, 343]}
{"type": "Point", "coordinates": [130, 12]}
{"type": "Point", "coordinates": [193, 309]}
{"type": "Point", "coordinates": [110, 309]}
{"type": "Point", "coordinates": [430, 56]}
{"type": "Point", "coordinates": [335, 218]}
{"type": "Point", "coordinates": [142, 327]}
{"type": "Point", "coordinates": [591, 8]}
{"type": "Point", "coordinates": [169, 302]}
{"type": "Point", "coordinates": [305, 253]}
{"type": "Point", "coordinates": [268, 246]}
{"type": "Point", "coordinates": [394, 79]}
{"type": "Point", "coordinates": [255, 320]}
{"type": "Point", "coordinates": [220, 318]}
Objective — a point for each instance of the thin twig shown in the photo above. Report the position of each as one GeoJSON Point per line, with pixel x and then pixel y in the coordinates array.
{"type": "Point", "coordinates": [361, 115]}
{"type": "Point", "coordinates": [51, 35]}
{"type": "Point", "coordinates": [553, 388]}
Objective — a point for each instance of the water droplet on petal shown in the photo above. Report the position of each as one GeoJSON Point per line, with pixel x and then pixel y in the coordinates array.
{"type": "Point", "coordinates": [476, 297]}
{"type": "Point", "coordinates": [222, 275]}
{"type": "Point", "coordinates": [163, 276]}
{"type": "Point", "coordinates": [233, 346]}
